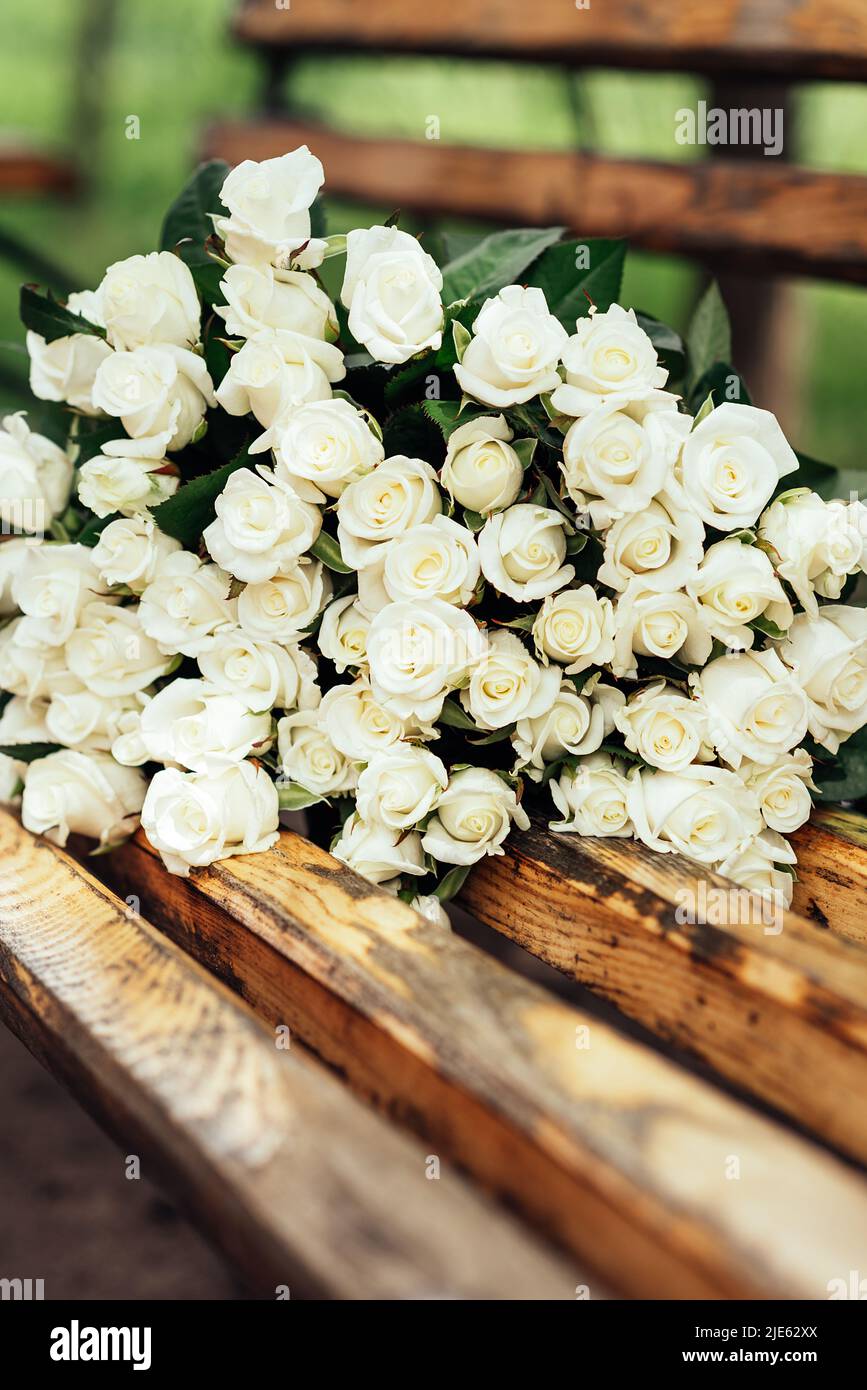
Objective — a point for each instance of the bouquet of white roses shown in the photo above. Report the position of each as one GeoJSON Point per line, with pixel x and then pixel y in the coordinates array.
{"type": "Point", "coordinates": [335, 519]}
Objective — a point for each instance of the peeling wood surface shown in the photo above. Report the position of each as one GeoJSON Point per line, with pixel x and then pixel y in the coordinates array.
{"type": "Point", "coordinates": [297, 1181]}
{"type": "Point", "coordinates": [831, 890]}
{"type": "Point", "coordinates": [784, 1016]}
{"type": "Point", "coordinates": [619, 1153]}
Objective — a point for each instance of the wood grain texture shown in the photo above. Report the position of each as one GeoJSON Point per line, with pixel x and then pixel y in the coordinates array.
{"type": "Point", "coordinates": [617, 1152]}
{"type": "Point", "coordinates": [297, 1181]}
{"type": "Point", "coordinates": [801, 38]}
{"type": "Point", "coordinates": [832, 873]}
{"type": "Point", "coordinates": [784, 1016]}
{"type": "Point", "coordinates": [752, 214]}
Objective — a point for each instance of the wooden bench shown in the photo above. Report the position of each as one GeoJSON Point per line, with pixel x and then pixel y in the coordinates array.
{"type": "Point", "coordinates": [524, 1147]}
{"type": "Point", "coordinates": [738, 210]}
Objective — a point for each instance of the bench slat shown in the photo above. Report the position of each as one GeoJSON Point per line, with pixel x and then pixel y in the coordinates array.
{"type": "Point", "coordinates": [784, 1016]}
{"type": "Point", "coordinates": [801, 38]}
{"type": "Point", "coordinates": [832, 872]}
{"type": "Point", "coordinates": [297, 1181]}
{"type": "Point", "coordinates": [616, 1150]}
{"type": "Point", "coordinates": [753, 214]}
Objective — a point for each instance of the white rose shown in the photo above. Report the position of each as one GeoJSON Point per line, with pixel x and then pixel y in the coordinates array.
{"type": "Point", "coordinates": [399, 493]}
{"type": "Point", "coordinates": [735, 584]}
{"type": "Point", "coordinates": [514, 351]}
{"type": "Point", "coordinates": [575, 724]}
{"type": "Point", "coordinates": [326, 445]}
{"type": "Point", "coordinates": [160, 395]}
{"type": "Point", "coordinates": [110, 653]}
{"type": "Point", "coordinates": [703, 812]}
{"type": "Point", "coordinates": [828, 657]}
{"type": "Point", "coordinates": [575, 627]}
{"type": "Point", "coordinates": [196, 724]}
{"type": "Point", "coordinates": [418, 653]}
{"type": "Point", "coordinates": [128, 746]}
{"type": "Point", "coordinates": [64, 370]}
{"type": "Point", "coordinates": [782, 789]}
{"type": "Point", "coordinates": [51, 588]}
{"type": "Point", "coordinates": [186, 604]}
{"type": "Point", "coordinates": [342, 635]}
{"type": "Point", "coordinates": [473, 817]}
{"type": "Point", "coordinates": [592, 797]}
{"type": "Point", "coordinates": [661, 545]}
{"type": "Point", "coordinates": [664, 727]}
{"type": "Point", "coordinates": [755, 868]}
{"type": "Point", "coordinates": [37, 671]}
{"type": "Point", "coordinates": [377, 853]}
{"type": "Point", "coordinates": [508, 685]}
{"type": "Point", "coordinates": [148, 300]}
{"type": "Point", "coordinates": [261, 527]}
{"type": "Point", "coordinates": [269, 377]}
{"type": "Point", "coordinates": [194, 819]}
{"type": "Point", "coordinates": [522, 551]}
{"type": "Point", "coordinates": [131, 552]}
{"type": "Point", "coordinates": [755, 707]}
{"type": "Point", "coordinates": [392, 291]}
{"type": "Point", "coordinates": [731, 463]}
{"type": "Point", "coordinates": [482, 472]}
{"type": "Point", "coordinates": [260, 301]}
{"type": "Point", "coordinates": [12, 774]}
{"type": "Point", "coordinates": [35, 476]}
{"type": "Point", "coordinates": [359, 725]}
{"type": "Point", "coordinates": [71, 793]}
{"type": "Point", "coordinates": [25, 721]}
{"type": "Point", "coordinates": [664, 625]}
{"type": "Point", "coordinates": [428, 906]}
{"type": "Point", "coordinates": [281, 608]}
{"type": "Point", "coordinates": [609, 355]}
{"type": "Point", "coordinates": [269, 209]}
{"type": "Point", "coordinates": [815, 545]}
{"type": "Point", "coordinates": [13, 556]}
{"type": "Point", "coordinates": [617, 458]}
{"type": "Point", "coordinates": [86, 720]}
{"type": "Point", "coordinates": [400, 786]}
{"type": "Point", "coordinates": [308, 756]}
{"type": "Point", "coordinates": [126, 485]}
{"type": "Point", "coordinates": [438, 559]}
{"type": "Point", "coordinates": [261, 674]}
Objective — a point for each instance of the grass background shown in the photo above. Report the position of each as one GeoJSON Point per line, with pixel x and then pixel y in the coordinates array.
{"type": "Point", "coordinates": [173, 66]}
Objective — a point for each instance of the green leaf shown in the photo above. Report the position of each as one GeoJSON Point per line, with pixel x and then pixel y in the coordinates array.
{"type": "Point", "coordinates": [452, 883]}
{"type": "Point", "coordinates": [462, 337]}
{"type": "Point", "coordinates": [326, 549]}
{"type": "Point", "coordinates": [453, 715]}
{"type": "Point", "coordinates": [191, 509]}
{"type": "Point", "coordinates": [291, 796]}
{"type": "Point", "coordinates": [450, 415]}
{"type": "Point", "coordinates": [570, 286]}
{"type": "Point", "coordinates": [708, 338]}
{"type": "Point", "coordinates": [575, 544]}
{"type": "Point", "coordinates": [463, 314]}
{"type": "Point", "coordinates": [767, 628]}
{"type": "Point", "coordinates": [704, 409]}
{"type": "Point", "coordinates": [723, 383]}
{"type": "Point", "coordinates": [669, 345]}
{"type": "Point", "coordinates": [496, 261]}
{"type": "Point", "coordinates": [820, 477]}
{"type": "Point", "coordinates": [49, 318]}
{"type": "Point", "coordinates": [89, 535]}
{"type": "Point", "coordinates": [411, 431]}
{"type": "Point", "coordinates": [498, 736]}
{"type": "Point", "coordinates": [188, 226]}
{"type": "Point", "coordinates": [845, 778]}
{"type": "Point", "coordinates": [29, 752]}
{"type": "Point", "coordinates": [474, 521]}
{"type": "Point", "coordinates": [525, 449]}
{"type": "Point", "coordinates": [91, 436]}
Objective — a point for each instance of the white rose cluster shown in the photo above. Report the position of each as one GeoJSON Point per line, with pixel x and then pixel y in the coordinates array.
{"type": "Point", "coordinates": [399, 545]}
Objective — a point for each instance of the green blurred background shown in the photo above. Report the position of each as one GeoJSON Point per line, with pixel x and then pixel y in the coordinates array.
{"type": "Point", "coordinates": [73, 71]}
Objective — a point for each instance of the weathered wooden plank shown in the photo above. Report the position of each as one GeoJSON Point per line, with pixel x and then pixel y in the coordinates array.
{"type": "Point", "coordinates": [801, 38]}
{"type": "Point", "coordinates": [779, 1008]}
{"type": "Point", "coordinates": [754, 214]}
{"type": "Point", "coordinates": [620, 1153]}
{"type": "Point", "coordinates": [295, 1179]}
{"type": "Point", "coordinates": [832, 872]}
